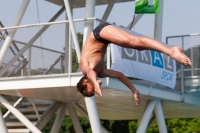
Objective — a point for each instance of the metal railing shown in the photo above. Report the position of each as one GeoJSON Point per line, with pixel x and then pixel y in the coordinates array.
{"type": "Point", "coordinates": [47, 54]}
{"type": "Point", "coordinates": [190, 45]}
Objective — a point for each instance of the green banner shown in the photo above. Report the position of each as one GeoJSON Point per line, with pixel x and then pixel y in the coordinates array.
{"type": "Point", "coordinates": [145, 7]}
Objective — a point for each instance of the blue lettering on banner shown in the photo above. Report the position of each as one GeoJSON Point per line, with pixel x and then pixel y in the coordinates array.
{"type": "Point", "coordinates": [168, 76]}
{"type": "Point", "coordinates": [150, 57]}
{"type": "Point", "coordinates": [157, 59]}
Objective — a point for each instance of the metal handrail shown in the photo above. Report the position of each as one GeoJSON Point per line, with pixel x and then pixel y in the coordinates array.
{"type": "Point", "coordinates": [51, 67]}
{"type": "Point", "coordinates": [46, 24]}
{"type": "Point", "coordinates": [179, 71]}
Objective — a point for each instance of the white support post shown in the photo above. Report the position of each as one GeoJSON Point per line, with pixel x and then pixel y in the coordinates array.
{"type": "Point", "coordinates": [90, 101]}
{"type": "Point", "coordinates": [108, 62]}
{"type": "Point", "coordinates": [182, 73]}
{"type": "Point", "coordinates": [72, 28]}
{"type": "Point", "coordinates": [68, 47]}
{"type": "Point", "coordinates": [35, 108]}
{"type": "Point", "coordinates": [146, 116]}
{"type": "Point", "coordinates": [108, 10]}
{"type": "Point", "coordinates": [19, 115]}
{"type": "Point", "coordinates": [158, 22]}
{"type": "Point", "coordinates": [59, 118]}
{"type": "Point", "coordinates": [105, 17]}
{"type": "Point", "coordinates": [67, 63]}
{"type": "Point", "coordinates": [70, 53]}
{"type": "Point", "coordinates": [4, 69]}
{"type": "Point", "coordinates": [89, 13]}
{"type": "Point", "coordinates": [158, 37]}
{"type": "Point", "coordinates": [151, 121]}
{"type": "Point", "coordinates": [192, 60]}
{"type": "Point", "coordinates": [160, 117]}
{"type": "Point", "coordinates": [80, 110]}
{"type": "Point", "coordinates": [93, 114]}
{"type": "Point", "coordinates": [29, 61]}
{"type": "Point", "coordinates": [12, 32]}
{"type": "Point", "coordinates": [2, 124]}
{"type": "Point", "coordinates": [75, 120]}
{"type": "Point", "coordinates": [84, 113]}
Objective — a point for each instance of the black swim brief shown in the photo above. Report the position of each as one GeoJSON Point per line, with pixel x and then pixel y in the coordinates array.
{"type": "Point", "coordinates": [97, 31]}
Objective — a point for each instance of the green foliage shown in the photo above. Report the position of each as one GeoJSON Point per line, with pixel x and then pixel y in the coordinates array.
{"type": "Point", "coordinates": [48, 126]}
{"type": "Point", "coordinates": [80, 39]}
{"type": "Point", "coordinates": [128, 126]}
{"type": "Point", "coordinates": [85, 125]}
{"type": "Point", "coordinates": [66, 126]}
{"type": "Point", "coordinates": [133, 125]}
{"type": "Point", "coordinates": [153, 128]}
{"type": "Point", "coordinates": [183, 125]}
{"type": "Point", "coordinates": [116, 126]}
{"type": "Point", "coordinates": [75, 64]}
{"type": "Point", "coordinates": [3, 110]}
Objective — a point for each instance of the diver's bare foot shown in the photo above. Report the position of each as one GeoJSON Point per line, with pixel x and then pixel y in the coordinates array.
{"type": "Point", "coordinates": [179, 56]}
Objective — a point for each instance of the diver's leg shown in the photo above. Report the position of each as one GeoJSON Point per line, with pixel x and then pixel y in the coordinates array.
{"type": "Point", "coordinates": [127, 40]}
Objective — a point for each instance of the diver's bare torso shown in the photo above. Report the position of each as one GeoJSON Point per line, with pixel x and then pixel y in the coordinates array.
{"type": "Point", "coordinates": [92, 55]}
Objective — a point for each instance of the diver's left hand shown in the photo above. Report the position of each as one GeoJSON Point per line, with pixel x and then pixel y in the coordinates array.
{"type": "Point", "coordinates": [136, 96]}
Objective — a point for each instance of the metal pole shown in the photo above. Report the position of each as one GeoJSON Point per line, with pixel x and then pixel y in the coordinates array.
{"type": "Point", "coordinates": [75, 120]}
{"type": "Point", "coordinates": [89, 13]}
{"type": "Point", "coordinates": [70, 53]}
{"type": "Point", "coordinates": [62, 63]}
{"type": "Point", "coordinates": [182, 70]}
{"type": "Point", "coordinates": [72, 28]}
{"type": "Point", "coordinates": [2, 124]}
{"type": "Point", "coordinates": [93, 114]}
{"type": "Point", "coordinates": [84, 113]}
{"type": "Point", "coordinates": [19, 115]}
{"type": "Point", "coordinates": [158, 22]}
{"type": "Point", "coordinates": [23, 70]}
{"type": "Point", "coordinates": [192, 59]}
{"type": "Point", "coordinates": [80, 110]}
{"type": "Point", "coordinates": [160, 117]}
{"type": "Point", "coordinates": [90, 101]}
{"type": "Point", "coordinates": [108, 62]}
{"type": "Point", "coordinates": [4, 69]}
{"type": "Point", "coordinates": [59, 118]}
{"type": "Point", "coordinates": [70, 41]}
{"type": "Point", "coordinates": [66, 46]}
{"type": "Point", "coordinates": [29, 61]}
{"type": "Point", "coordinates": [146, 116]}
{"type": "Point", "coordinates": [105, 17]}
{"type": "Point", "coordinates": [151, 121]}
{"type": "Point", "coordinates": [11, 34]}
{"type": "Point", "coordinates": [35, 108]}
{"type": "Point", "coordinates": [108, 10]}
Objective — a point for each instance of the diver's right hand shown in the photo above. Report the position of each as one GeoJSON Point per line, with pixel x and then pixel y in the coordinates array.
{"type": "Point", "coordinates": [97, 87]}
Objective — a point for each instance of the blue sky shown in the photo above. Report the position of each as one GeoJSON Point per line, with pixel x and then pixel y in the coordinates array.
{"type": "Point", "coordinates": [180, 16]}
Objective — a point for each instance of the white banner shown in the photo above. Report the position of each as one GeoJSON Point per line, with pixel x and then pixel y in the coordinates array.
{"type": "Point", "coordinates": [147, 65]}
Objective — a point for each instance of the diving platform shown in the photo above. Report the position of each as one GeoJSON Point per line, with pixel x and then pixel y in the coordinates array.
{"type": "Point", "coordinates": [117, 102]}
{"type": "Point", "coordinates": [82, 3]}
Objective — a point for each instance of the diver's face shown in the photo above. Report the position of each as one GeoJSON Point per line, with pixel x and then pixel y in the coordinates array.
{"type": "Point", "coordinates": [90, 90]}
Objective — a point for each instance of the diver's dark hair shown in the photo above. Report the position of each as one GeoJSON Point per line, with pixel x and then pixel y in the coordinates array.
{"type": "Point", "coordinates": [81, 87]}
